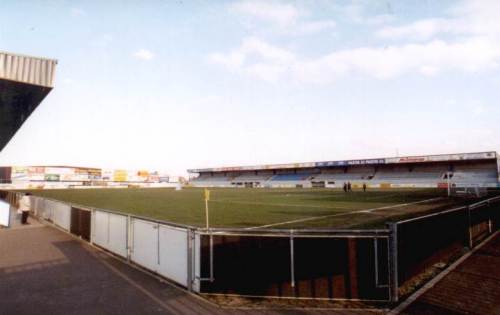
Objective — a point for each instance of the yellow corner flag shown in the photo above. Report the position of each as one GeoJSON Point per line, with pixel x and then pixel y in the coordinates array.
{"type": "Point", "coordinates": [207, 198]}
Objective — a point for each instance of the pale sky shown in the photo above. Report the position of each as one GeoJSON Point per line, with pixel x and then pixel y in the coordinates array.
{"type": "Point", "coordinates": [171, 85]}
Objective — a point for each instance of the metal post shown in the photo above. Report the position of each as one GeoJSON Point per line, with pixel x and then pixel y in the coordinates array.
{"type": "Point", "coordinates": [129, 237]}
{"type": "Point", "coordinates": [292, 260]}
{"type": "Point", "coordinates": [393, 254]}
{"type": "Point", "coordinates": [190, 260]}
{"type": "Point", "coordinates": [158, 243]}
{"type": "Point", "coordinates": [448, 181]}
{"type": "Point", "coordinates": [489, 218]}
{"type": "Point", "coordinates": [92, 226]}
{"type": "Point", "coordinates": [375, 250]}
{"type": "Point", "coordinates": [211, 258]}
{"type": "Point", "coordinates": [109, 228]}
{"type": "Point", "coordinates": [470, 227]}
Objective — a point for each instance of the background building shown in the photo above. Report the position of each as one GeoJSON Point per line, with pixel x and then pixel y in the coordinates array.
{"type": "Point", "coordinates": [44, 177]}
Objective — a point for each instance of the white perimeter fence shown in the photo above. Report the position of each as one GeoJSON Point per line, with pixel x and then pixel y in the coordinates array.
{"type": "Point", "coordinates": [172, 251]}
{"type": "Point", "coordinates": [287, 263]}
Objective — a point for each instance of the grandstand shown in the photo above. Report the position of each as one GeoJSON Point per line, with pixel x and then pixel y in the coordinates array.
{"type": "Point", "coordinates": [463, 169]}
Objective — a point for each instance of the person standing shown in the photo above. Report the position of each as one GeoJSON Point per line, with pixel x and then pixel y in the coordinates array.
{"type": "Point", "coordinates": [25, 207]}
{"type": "Point", "coordinates": [364, 187]}
{"type": "Point", "coordinates": [345, 187]}
{"type": "Point", "coordinates": [349, 186]}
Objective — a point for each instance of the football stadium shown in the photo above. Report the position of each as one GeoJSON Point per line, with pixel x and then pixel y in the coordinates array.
{"type": "Point", "coordinates": [371, 232]}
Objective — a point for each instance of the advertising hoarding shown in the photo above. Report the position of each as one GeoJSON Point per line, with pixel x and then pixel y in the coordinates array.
{"type": "Point", "coordinates": [107, 174]}
{"type": "Point", "coordinates": [120, 176]}
{"type": "Point", "coordinates": [52, 177]}
{"type": "Point", "coordinates": [19, 173]}
{"type": "Point", "coordinates": [442, 157]}
{"type": "Point", "coordinates": [406, 159]}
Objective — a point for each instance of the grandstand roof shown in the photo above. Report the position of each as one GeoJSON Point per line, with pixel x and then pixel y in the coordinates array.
{"type": "Point", "coordinates": [377, 161]}
{"type": "Point", "coordinates": [24, 82]}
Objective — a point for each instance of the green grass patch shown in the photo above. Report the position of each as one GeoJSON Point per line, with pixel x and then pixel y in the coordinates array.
{"type": "Point", "coordinates": [250, 207]}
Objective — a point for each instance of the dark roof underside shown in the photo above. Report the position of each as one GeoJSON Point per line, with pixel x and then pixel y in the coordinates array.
{"type": "Point", "coordinates": [17, 102]}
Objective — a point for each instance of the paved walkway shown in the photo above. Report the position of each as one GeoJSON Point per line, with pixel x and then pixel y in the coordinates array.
{"type": "Point", "coordinates": [46, 271]}
{"type": "Point", "coordinates": [473, 287]}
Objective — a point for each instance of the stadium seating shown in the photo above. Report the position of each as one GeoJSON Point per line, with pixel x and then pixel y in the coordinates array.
{"type": "Point", "coordinates": [251, 178]}
{"type": "Point", "coordinates": [421, 175]}
{"type": "Point", "coordinates": [290, 177]}
{"type": "Point", "coordinates": [474, 176]}
{"type": "Point", "coordinates": [211, 181]}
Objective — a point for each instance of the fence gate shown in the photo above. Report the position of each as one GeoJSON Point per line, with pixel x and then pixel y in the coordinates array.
{"type": "Point", "coordinates": [80, 223]}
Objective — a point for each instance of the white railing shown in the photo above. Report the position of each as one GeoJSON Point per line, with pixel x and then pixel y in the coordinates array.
{"type": "Point", "coordinates": [170, 251]}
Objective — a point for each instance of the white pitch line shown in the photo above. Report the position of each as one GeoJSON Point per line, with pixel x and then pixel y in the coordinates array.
{"type": "Point", "coordinates": [341, 214]}
{"type": "Point", "coordinates": [275, 204]}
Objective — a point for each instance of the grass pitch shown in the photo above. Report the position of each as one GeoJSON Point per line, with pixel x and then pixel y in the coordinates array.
{"type": "Point", "coordinates": [253, 208]}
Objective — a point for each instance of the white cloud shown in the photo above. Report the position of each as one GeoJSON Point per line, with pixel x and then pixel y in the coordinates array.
{"type": "Point", "coordinates": [355, 12]}
{"type": "Point", "coordinates": [470, 17]}
{"type": "Point", "coordinates": [257, 58]}
{"type": "Point", "coordinates": [474, 46]}
{"type": "Point", "coordinates": [282, 18]}
{"type": "Point", "coordinates": [281, 14]}
{"type": "Point", "coordinates": [419, 30]}
{"type": "Point", "coordinates": [144, 54]}
{"type": "Point", "coordinates": [271, 63]}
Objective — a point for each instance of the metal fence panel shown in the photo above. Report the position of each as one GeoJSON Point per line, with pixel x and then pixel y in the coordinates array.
{"type": "Point", "coordinates": [118, 234]}
{"type": "Point", "coordinates": [196, 263]}
{"type": "Point", "coordinates": [110, 232]}
{"type": "Point", "coordinates": [4, 213]}
{"type": "Point", "coordinates": [81, 223]}
{"type": "Point", "coordinates": [39, 208]}
{"type": "Point", "coordinates": [442, 237]}
{"type": "Point", "coordinates": [333, 268]}
{"type": "Point", "coordinates": [173, 254]}
{"type": "Point", "coordinates": [101, 228]}
{"type": "Point", "coordinates": [483, 221]}
{"type": "Point", "coordinates": [61, 213]}
{"type": "Point", "coordinates": [145, 244]}
{"type": "Point", "coordinates": [425, 242]}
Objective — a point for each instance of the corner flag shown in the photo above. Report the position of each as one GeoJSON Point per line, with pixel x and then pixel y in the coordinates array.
{"type": "Point", "coordinates": [207, 198]}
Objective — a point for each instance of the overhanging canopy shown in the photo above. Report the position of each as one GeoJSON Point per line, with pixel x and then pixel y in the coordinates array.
{"type": "Point", "coordinates": [24, 82]}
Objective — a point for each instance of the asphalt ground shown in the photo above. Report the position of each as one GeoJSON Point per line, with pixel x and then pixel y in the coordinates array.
{"type": "Point", "coordinates": [472, 287]}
